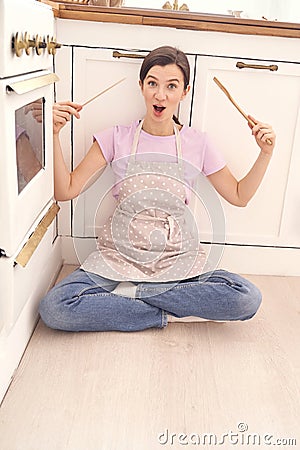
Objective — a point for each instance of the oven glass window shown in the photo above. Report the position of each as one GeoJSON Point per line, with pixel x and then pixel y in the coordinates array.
{"type": "Point", "coordinates": [29, 141]}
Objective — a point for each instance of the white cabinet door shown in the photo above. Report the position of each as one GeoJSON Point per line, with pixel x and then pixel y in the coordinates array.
{"type": "Point", "coordinates": [290, 223]}
{"type": "Point", "coordinates": [272, 97]}
{"type": "Point", "coordinates": [95, 70]}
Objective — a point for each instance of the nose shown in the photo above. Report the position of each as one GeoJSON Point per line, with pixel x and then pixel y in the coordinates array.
{"type": "Point", "coordinates": [160, 93]}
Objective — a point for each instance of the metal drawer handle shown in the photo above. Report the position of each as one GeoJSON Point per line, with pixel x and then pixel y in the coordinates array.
{"type": "Point", "coordinates": [117, 54]}
{"type": "Point", "coordinates": [242, 65]}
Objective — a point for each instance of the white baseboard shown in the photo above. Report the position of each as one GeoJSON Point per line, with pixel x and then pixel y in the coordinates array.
{"type": "Point", "coordinates": [235, 258]}
{"type": "Point", "coordinates": [261, 260]}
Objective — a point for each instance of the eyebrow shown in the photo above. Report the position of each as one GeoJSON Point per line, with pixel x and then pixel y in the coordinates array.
{"type": "Point", "coordinates": [168, 81]}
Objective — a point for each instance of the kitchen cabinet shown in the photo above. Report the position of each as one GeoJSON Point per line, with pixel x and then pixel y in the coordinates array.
{"type": "Point", "coordinates": [94, 70]}
{"type": "Point", "coordinates": [264, 236]}
{"type": "Point", "coordinates": [271, 218]}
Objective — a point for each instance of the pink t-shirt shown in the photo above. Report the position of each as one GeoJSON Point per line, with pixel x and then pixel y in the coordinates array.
{"type": "Point", "coordinates": [198, 153]}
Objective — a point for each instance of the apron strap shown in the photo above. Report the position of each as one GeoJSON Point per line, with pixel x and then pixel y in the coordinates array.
{"type": "Point", "coordinates": [136, 138]}
{"type": "Point", "coordinates": [177, 139]}
{"type": "Point", "coordinates": [178, 144]}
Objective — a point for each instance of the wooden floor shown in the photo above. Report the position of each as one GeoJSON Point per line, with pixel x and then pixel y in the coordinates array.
{"type": "Point", "coordinates": [161, 389]}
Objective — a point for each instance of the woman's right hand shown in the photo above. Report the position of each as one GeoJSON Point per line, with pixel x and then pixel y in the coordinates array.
{"type": "Point", "coordinates": [62, 113]}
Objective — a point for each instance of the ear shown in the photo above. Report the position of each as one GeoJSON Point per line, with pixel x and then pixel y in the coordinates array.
{"type": "Point", "coordinates": [141, 85]}
{"type": "Point", "coordinates": [185, 92]}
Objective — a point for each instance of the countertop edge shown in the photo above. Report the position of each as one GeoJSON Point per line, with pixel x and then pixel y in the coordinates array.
{"type": "Point", "coordinates": [174, 19]}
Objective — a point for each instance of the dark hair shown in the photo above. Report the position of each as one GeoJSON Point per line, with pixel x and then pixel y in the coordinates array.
{"type": "Point", "coordinates": [162, 56]}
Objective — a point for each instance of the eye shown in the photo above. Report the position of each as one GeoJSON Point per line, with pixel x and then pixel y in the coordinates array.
{"type": "Point", "coordinates": [151, 83]}
{"type": "Point", "coordinates": [172, 86]}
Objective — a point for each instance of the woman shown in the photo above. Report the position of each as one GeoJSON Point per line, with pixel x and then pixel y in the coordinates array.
{"type": "Point", "coordinates": [148, 267]}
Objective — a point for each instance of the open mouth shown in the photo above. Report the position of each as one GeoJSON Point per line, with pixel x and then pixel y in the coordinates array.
{"type": "Point", "coordinates": [158, 108]}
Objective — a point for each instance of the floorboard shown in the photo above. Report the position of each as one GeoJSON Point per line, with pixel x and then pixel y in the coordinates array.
{"type": "Point", "coordinates": [165, 388]}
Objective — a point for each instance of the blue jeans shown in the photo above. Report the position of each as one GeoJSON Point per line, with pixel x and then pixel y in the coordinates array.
{"type": "Point", "coordinates": [84, 301]}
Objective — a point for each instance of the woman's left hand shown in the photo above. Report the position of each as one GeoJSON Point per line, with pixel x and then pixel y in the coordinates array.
{"type": "Point", "coordinates": [262, 132]}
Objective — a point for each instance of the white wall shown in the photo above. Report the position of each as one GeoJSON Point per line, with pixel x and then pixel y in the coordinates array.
{"type": "Point", "coordinates": [288, 10]}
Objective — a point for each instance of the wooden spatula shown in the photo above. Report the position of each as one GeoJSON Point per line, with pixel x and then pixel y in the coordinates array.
{"type": "Point", "coordinates": [236, 105]}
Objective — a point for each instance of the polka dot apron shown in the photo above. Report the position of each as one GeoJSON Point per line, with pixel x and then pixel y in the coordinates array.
{"type": "Point", "coordinates": [152, 235]}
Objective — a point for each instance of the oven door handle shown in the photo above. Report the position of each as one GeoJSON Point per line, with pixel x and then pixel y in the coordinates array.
{"type": "Point", "coordinates": [34, 240]}
{"type": "Point", "coordinates": [24, 86]}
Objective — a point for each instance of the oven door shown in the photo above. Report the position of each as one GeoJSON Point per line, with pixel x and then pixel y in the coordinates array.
{"type": "Point", "coordinates": [26, 169]}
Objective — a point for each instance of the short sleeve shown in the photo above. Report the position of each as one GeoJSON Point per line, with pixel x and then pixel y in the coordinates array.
{"type": "Point", "coordinates": [105, 139]}
{"type": "Point", "coordinates": [20, 131]}
{"type": "Point", "coordinates": [213, 160]}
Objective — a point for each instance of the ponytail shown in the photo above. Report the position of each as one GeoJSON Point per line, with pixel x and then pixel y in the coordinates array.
{"type": "Point", "coordinates": [176, 120]}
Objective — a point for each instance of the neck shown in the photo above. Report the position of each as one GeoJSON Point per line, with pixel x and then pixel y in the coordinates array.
{"type": "Point", "coordinates": [158, 129]}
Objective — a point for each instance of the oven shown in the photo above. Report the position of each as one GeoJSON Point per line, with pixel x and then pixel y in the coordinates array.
{"type": "Point", "coordinates": [27, 207]}
{"type": "Point", "coordinates": [26, 93]}
{"type": "Point", "coordinates": [26, 179]}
